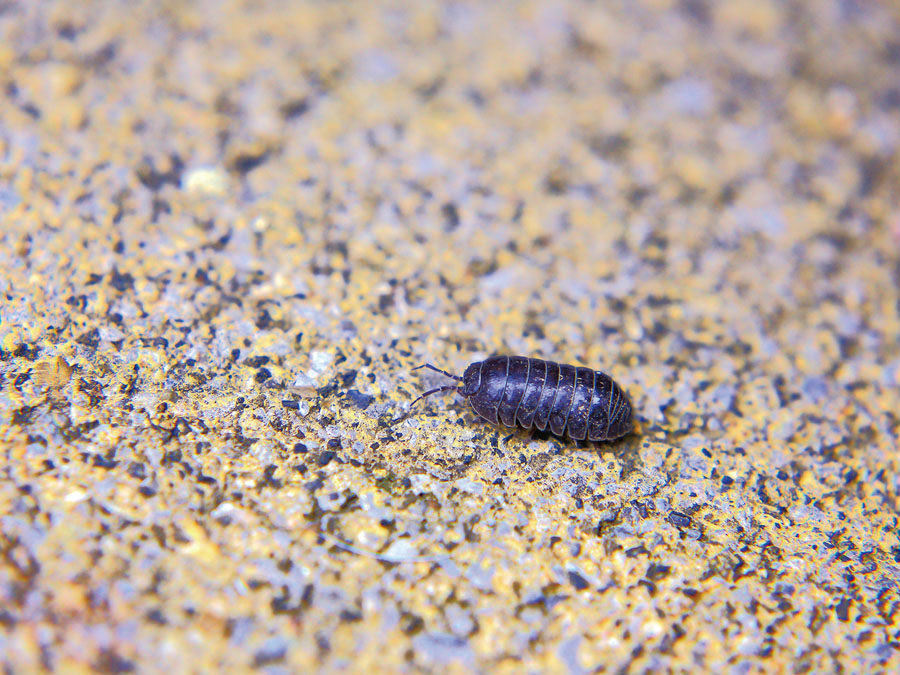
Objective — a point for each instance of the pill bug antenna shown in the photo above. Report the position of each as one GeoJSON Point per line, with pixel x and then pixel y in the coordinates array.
{"type": "Point", "coordinates": [449, 387]}
{"type": "Point", "coordinates": [438, 370]}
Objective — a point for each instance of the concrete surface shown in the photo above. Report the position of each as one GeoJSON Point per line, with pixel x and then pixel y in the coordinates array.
{"type": "Point", "coordinates": [230, 229]}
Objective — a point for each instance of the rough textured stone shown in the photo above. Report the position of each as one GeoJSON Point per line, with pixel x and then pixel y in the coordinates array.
{"type": "Point", "coordinates": [209, 209]}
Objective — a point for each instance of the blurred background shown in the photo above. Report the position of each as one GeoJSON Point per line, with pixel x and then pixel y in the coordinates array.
{"type": "Point", "coordinates": [229, 229]}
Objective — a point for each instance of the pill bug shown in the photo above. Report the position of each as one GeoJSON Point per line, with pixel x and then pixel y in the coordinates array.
{"type": "Point", "coordinates": [511, 390]}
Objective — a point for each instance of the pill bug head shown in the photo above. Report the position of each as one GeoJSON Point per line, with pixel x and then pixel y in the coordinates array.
{"type": "Point", "coordinates": [471, 380]}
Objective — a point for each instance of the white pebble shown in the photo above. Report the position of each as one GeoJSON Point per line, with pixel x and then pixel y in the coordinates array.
{"type": "Point", "coordinates": [206, 181]}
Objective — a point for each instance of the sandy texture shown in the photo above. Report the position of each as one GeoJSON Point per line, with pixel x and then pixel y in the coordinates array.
{"type": "Point", "coordinates": [228, 233]}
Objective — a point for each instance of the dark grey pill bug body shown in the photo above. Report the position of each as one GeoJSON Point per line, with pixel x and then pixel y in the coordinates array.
{"type": "Point", "coordinates": [519, 390]}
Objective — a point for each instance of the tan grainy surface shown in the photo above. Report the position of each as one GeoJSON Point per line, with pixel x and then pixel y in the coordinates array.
{"type": "Point", "coordinates": [211, 208]}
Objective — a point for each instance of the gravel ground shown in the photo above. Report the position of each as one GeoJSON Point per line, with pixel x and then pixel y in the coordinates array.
{"type": "Point", "coordinates": [229, 230]}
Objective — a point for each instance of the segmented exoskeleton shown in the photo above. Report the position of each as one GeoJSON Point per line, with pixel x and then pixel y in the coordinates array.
{"type": "Point", "coordinates": [511, 390]}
